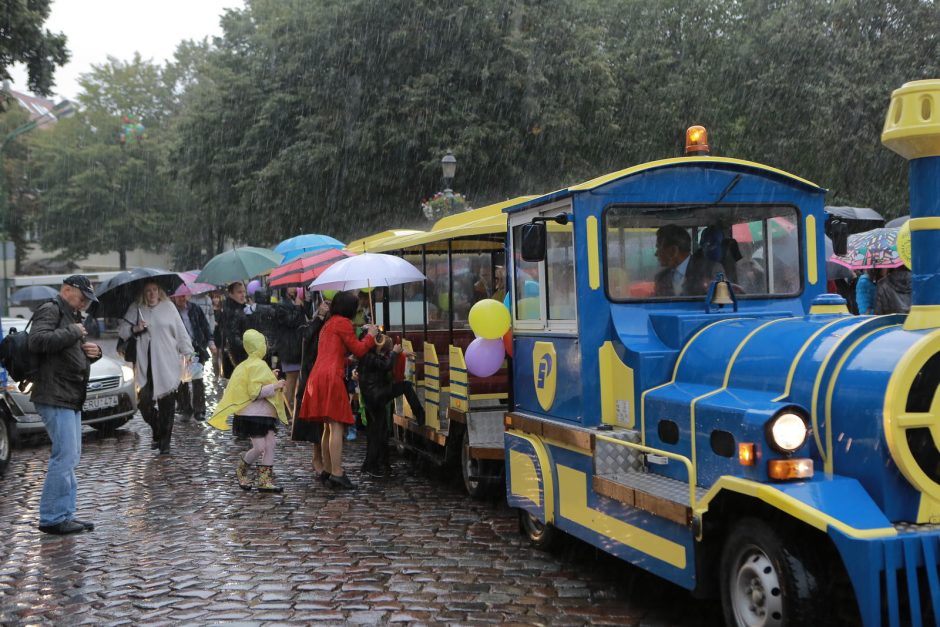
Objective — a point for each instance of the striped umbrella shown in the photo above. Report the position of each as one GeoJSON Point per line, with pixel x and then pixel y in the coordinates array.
{"type": "Point", "coordinates": [306, 268]}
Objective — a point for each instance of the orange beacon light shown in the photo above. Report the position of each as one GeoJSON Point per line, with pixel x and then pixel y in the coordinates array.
{"type": "Point", "coordinates": [696, 141]}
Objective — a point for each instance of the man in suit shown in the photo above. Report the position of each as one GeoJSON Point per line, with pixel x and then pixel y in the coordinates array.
{"type": "Point", "coordinates": [683, 274]}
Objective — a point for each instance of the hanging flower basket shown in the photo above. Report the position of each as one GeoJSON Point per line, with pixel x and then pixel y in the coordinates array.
{"type": "Point", "coordinates": [443, 204]}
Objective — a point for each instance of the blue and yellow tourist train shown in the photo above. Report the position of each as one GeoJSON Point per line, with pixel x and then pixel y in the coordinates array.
{"type": "Point", "coordinates": [685, 395]}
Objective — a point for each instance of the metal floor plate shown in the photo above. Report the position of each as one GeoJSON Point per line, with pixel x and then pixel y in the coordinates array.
{"type": "Point", "coordinates": [657, 485]}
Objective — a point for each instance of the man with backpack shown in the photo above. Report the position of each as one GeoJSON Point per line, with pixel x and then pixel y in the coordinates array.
{"type": "Point", "coordinates": [64, 360]}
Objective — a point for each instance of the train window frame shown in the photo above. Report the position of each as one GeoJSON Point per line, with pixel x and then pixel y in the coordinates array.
{"type": "Point", "coordinates": [657, 207]}
{"type": "Point", "coordinates": [543, 323]}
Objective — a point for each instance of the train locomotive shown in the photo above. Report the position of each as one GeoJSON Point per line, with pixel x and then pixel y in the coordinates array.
{"type": "Point", "coordinates": [722, 421]}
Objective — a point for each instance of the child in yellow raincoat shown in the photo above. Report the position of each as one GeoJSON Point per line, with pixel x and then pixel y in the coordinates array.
{"type": "Point", "coordinates": [255, 396]}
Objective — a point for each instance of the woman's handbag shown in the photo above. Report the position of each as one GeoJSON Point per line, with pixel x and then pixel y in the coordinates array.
{"type": "Point", "coordinates": [128, 348]}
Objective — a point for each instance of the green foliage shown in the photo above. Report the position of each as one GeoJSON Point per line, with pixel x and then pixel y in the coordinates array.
{"type": "Point", "coordinates": [332, 115]}
{"type": "Point", "coordinates": [98, 195]}
{"type": "Point", "coordinates": [24, 40]}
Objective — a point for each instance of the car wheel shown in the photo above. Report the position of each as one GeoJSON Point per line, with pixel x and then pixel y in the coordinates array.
{"type": "Point", "coordinates": [768, 581]}
{"type": "Point", "coordinates": [109, 426]}
{"type": "Point", "coordinates": [543, 536]}
{"type": "Point", "coordinates": [6, 443]}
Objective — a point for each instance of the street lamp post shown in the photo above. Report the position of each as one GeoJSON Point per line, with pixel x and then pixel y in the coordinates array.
{"type": "Point", "coordinates": [62, 110]}
{"type": "Point", "coordinates": [449, 169]}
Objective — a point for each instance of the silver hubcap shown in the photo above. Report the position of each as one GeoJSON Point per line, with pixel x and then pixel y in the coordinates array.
{"type": "Point", "coordinates": [755, 591]}
{"type": "Point", "coordinates": [4, 440]}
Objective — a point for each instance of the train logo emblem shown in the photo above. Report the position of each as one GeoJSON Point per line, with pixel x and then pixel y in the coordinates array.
{"type": "Point", "coordinates": [544, 370]}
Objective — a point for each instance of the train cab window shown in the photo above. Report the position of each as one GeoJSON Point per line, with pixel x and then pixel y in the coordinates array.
{"type": "Point", "coordinates": [675, 252]}
{"type": "Point", "coordinates": [560, 272]}
{"type": "Point", "coordinates": [527, 282]}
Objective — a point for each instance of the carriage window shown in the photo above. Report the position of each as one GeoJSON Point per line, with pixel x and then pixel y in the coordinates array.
{"type": "Point", "coordinates": [473, 281]}
{"type": "Point", "coordinates": [413, 293]}
{"type": "Point", "coordinates": [675, 252]}
{"type": "Point", "coordinates": [437, 286]}
{"type": "Point", "coordinates": [526, 284]}
{"type": "Point", "coordinates": [560, 272]}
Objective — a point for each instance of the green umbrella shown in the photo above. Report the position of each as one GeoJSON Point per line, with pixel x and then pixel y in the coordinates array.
{"type": "Point", "coordinates": [238, 264]}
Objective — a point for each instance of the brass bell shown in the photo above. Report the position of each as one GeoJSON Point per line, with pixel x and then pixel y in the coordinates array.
{"type": "Point", "coordinates": [722, 294]}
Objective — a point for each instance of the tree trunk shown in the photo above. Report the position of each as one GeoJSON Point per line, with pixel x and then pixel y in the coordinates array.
{"type": "Point", "coordinates": [122, 259]}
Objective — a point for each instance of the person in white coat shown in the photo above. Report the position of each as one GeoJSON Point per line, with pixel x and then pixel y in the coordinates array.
{"type": "Point", "coordinates": [162, 344]}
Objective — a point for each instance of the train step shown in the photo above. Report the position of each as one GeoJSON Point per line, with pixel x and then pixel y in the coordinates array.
{"type": "Point", "coordinates": [622, 473]}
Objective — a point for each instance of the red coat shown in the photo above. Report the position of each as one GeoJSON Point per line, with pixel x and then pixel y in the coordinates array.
{"type": "Point", "coordinates": [325, 397]}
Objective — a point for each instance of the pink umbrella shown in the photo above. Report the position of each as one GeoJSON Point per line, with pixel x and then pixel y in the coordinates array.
{"type": "Point", "coordinates": [189, 280]}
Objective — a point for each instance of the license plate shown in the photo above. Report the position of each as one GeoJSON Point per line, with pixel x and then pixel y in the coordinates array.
{"type": "Point", "coordinates": [102, 402]}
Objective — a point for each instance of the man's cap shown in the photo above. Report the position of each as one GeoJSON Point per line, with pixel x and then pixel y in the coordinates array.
{"type": "Point", "coordinates": [81, 282]}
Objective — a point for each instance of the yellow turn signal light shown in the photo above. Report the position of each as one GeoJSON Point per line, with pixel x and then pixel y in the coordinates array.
{"type": "Point", "coordinates": [784, 469]}
{"type": "Point", "coordinates": [696, 141]}
{"type": "Point", "coordinates": [746, 454]}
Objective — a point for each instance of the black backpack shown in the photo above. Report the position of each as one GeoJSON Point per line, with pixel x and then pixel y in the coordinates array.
{"type": "Point", "coordinates": [21, 363]}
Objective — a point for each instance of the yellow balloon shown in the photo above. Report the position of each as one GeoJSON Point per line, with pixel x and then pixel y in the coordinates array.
{"type": "Point", "coordinates": [904, 243]}
{"type": "Point", "coordinates": [489, 319]}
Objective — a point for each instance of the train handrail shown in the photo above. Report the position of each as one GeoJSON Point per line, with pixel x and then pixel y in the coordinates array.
{"type": "Point", "coordinates": [690, 468]}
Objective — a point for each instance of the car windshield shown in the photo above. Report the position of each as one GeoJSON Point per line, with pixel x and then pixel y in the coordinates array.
{"type": "Point", "coordinates": [656, 252]}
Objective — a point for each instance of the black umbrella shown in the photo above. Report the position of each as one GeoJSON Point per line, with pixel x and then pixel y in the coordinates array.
{"type": "Point", "coordinates": [859, 219]}
{"type": "Point", "coordinates": [898, 221]}
{"type": "Point", "coordinates": [33, 293]}
{"type": "Point", "coordinates": [117, 293]}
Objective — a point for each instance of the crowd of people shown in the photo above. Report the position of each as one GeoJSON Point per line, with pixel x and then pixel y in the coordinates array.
{"type": "Point", "coordinates": [313, 362]}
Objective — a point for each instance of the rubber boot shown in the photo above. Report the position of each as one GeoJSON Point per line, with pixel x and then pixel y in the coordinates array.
{"type": "Point", "coordinates": [242, 474]}
{"type": "Point", "coordinates": [265, 480]}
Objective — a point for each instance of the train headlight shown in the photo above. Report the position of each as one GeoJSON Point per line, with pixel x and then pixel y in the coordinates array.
{"type": "Point", "coordinates": [787, 431]}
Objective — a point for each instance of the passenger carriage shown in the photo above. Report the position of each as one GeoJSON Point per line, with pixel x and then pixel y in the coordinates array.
{"type": "Point", "coordinates": [462, 256]}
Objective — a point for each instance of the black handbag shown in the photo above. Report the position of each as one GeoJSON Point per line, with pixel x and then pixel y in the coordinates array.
{"type": "Point", "coordinates": [128, 348]}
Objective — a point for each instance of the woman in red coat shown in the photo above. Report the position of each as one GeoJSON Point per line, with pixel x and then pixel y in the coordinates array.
{"type": "Point", "coordinates": [325, 398]}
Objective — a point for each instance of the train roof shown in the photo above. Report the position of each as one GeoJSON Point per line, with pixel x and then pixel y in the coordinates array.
{"type": "Point", "coordinates": [365, 244]}
{"type": "Point", "coordinates": [663, 163]}
{"type": "Point", "coordinates": [487, 220]}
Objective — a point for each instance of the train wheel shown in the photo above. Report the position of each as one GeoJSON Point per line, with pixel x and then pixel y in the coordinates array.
{"type": "Point", "coordinates": [767, 582]}
{"type": "Point", "coordinates": [469, 467]}
{"type": "Point", "coordinates": [543, 536]}
{"type": "Point", "coordinates": [6, 443]}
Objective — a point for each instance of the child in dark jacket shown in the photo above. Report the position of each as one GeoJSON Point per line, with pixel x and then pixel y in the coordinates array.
{"type": "Point", "coordinates": [375, 383]}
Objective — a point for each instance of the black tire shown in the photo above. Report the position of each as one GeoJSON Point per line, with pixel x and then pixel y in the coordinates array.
{"type": "Point", "coordinates": [543, 536]}
{"type": "Point", "coordinates": [6, 443]}
{"type": "Point", "coordinates": [770, 580]}
{"type": "Point", "coordinates": [110, 426]}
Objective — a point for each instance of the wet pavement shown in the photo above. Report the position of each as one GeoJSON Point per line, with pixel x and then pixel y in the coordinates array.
{"type": "Point", "coordinates": [176, 541]}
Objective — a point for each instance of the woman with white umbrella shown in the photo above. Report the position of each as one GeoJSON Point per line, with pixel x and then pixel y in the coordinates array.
{"type": "Point", "coordinates": [325, 398]}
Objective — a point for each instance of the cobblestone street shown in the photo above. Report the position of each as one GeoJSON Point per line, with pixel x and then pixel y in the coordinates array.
{"type": "Point", "coordinates": [177, 541]}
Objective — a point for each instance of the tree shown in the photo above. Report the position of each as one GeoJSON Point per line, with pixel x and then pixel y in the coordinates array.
{"type": "Point", "coordinates": [100, 195]}
{"type": "Point", "coordinates": [23, 40]}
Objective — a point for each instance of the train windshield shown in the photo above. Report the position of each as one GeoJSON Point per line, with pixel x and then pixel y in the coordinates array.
{"type": "Point", "coordinates": [657, 252]}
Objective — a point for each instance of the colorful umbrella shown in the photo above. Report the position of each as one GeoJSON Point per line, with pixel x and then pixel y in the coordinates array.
{"type": "Point", "coordinates": [873, 249]}
{"type": "Point", "coordinates": [238, 264]}
{"type": "Point", "coordinates": [195, 288]}
{"type": "Point", "coordinates": [307, 267]}
{"type": "Point", "coordinates": [296, 246]}
{"type": "Point", "coordinates": [754, 231]}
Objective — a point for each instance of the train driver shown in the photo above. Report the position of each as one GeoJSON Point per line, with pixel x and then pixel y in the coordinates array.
{"type": "Point", "coordinates": [682, 273]}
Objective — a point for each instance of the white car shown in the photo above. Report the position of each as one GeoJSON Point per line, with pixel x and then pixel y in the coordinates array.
{"type": "Point", "coordinates": [110, 402]}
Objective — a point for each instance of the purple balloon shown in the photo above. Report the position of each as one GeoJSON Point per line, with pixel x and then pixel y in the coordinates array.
{"type": "Point", "coordinates": [485, 357]}
{"type": "Point", "coordinates": [253, 286]}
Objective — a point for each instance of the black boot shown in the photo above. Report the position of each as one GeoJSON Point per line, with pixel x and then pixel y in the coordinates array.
{"type": "Point", "coordinates": [165, 418]}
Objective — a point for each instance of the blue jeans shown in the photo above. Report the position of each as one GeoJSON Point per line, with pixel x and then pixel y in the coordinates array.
{"type": "Point", "coordinates": [64, 426]}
